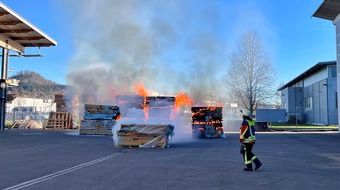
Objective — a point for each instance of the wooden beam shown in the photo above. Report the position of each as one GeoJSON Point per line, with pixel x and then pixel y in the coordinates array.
{"type": "Point", "coordinates": [7, 23]}
{"type": "Point", "coordinates": [7, 43]}
{"type": "Point", "coordinates": [16, 31]}
{"type": "Point", "coordinates": [36, 44]}
{"type": "Point", "coordinates": [27, 38]}
{"type": "Point", "coordinates": [3, 13]}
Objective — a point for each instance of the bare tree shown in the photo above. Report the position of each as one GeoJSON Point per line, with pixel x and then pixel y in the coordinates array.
{"type": "Point", "coordinates": [251, 75]}
{"type": "Point", "coordinates": [277, 96]}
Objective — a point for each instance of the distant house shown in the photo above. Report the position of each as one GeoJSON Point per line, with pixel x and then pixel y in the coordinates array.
{"type": "Point", "coordinates": [30, 105]}
{"type": "Point", "coordinates": [312, 96]}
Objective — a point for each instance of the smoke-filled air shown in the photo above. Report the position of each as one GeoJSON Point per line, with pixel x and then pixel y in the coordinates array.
{"type": "Point", "coordinates": [167, 45]}
{"type": "Point", "coordinates": [170, 47]}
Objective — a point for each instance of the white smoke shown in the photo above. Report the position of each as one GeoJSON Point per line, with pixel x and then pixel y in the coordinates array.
{"type": "Point", "coordinates": [120, 43]}
{"type": "Point", "coordinates": [168, 45]}
{"type": "Point", "coordinates": [137, 116]}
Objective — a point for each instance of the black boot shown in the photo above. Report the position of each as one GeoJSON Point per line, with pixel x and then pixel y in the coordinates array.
{"type": "Point", "coordinates": [258, 164]}
{"type": "Point", "coordinates": [248, 168]}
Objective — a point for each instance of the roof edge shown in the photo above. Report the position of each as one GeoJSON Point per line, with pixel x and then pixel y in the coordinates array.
{"type": "Point", "coordinates": [307, 73]}
{"type": "Point", "coordinates": [318, 10]}
{"type": "Point", "coordinates": [27, 22]}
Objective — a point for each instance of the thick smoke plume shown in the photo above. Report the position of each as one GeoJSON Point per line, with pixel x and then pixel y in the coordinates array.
{"type": "Point", "coordinates": [162, 44]}
{"type": "Point", "coordinates": [167, 45]}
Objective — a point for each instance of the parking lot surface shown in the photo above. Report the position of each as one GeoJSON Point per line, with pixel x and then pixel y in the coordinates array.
{"type": "Point", "coordinates": [47, 159]}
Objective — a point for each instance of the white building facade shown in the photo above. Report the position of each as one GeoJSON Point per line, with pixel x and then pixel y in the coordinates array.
{"type": "Point", "coordinates": [20, 104]}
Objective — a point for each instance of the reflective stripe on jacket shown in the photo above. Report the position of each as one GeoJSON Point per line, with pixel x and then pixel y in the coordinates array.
{"type": "Point", "coordinates": [247, 133]}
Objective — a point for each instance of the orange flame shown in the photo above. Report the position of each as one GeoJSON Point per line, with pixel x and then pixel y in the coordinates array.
{"type": "Point", "coordinates": [140, 89]}
{"type": "Point", "coordinates": [142, 92]}
{"type": "Point", "coordinates": [118, 117]}
{"type": "Point", "coordinates": [183, 99]}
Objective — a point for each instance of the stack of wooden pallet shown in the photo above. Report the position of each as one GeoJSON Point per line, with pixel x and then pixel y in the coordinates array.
{"type": "Point", "coordinates": [98, 119]}
{"type": "Point", "coordinates": [207, 122]}
{"type": "Point", "coordinates": [145, 135]}
{"type": "Point", "coordinates": [59, 120]}
{"type": "Point", "coordinates": [27, 124]}
{"type": "Point", "coordinates": [10, 97]}
{"type": "Point", "coordinates": [62, 103]}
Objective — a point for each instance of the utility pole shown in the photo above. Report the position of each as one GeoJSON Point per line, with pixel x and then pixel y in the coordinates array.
{"type": "Point", "coordinates": [3, 88]}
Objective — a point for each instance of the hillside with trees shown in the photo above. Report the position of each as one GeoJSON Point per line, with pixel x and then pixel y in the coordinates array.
{"type": "Point", "coordinates": [33, 84]}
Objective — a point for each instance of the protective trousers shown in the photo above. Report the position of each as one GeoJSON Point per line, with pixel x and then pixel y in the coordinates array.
{"type": "Point", "coordinates": [248, 155]}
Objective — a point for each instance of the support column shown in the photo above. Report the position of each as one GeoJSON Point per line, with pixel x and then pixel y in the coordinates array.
{"type": "Point", "coordinates": [3, 88]}
{"type": "Point", "coordinates": [336, 22]}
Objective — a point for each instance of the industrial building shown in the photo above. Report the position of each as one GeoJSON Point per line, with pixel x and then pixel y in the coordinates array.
{"type": "Point", "coordinates": [329, 10]}
{"type": "Point", "coordinates": [311, 97]}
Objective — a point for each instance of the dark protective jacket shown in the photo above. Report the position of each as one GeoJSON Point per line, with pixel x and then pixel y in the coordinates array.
{"type": "Point", "coordinates": [247, 131]}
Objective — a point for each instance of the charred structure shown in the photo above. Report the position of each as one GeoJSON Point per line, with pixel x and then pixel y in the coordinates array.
{"type": "Point", "coordinates": [207, 122]}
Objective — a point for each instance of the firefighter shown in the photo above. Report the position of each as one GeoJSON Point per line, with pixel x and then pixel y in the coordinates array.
{"type": "Point", "coordinates": [247, 139]}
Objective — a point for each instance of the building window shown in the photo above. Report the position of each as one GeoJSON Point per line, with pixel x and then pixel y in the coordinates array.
{"type": "Point", "coordinates": [336, 99]}
{"type": "Point", "coordinates": [332, 71]}
{"type": "Point", "coordinates": [308, 103]}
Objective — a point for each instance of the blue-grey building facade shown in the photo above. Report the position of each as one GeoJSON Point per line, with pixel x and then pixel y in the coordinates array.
{"type": "Point", "coordinates": [330, 10]}
{"type": "Point", "coordinates": [312, 96]}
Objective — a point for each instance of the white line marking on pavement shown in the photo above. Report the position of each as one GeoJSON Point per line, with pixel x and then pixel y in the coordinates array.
{"type": "Point", "coordinates": [61, 172]}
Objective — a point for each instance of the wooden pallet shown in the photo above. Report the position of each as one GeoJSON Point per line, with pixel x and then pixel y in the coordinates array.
{"type": "Point", "coordinates": [101, 108]}
{"type": "Point", "coordinates": [18, 124]}
{"type": "Point", "coordinates": [135, 134]}
{"type": "Point", "coordinates": [144, 135]}
{"type": "Point", "coordinates": [125, 141]}
{"type": "Point", "coordinates": [26, 124]}
{"type": "Point", "coordinates": [63, 104]}
{"type": "Point", "coordinates": [59, 120]}
{"type": "Point", "coordinates": [129, 146]}
{"type": "Point", "coordinates": [92, 124]}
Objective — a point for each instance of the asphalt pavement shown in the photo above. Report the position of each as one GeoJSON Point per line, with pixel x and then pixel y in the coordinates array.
{"type": "Point", "coordinates": [47, 159]}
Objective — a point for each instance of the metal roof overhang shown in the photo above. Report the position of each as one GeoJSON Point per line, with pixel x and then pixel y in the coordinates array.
{"type": "Point", "coordinates": [16, 33]}
{"type": "Point", "coordinates": [307, 73]}
{"type": "Point", "coordinates": [328, 10]}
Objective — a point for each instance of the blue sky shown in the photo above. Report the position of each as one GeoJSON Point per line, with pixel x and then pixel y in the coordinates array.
{"type": "Point", "coordinates": [175, 42]}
